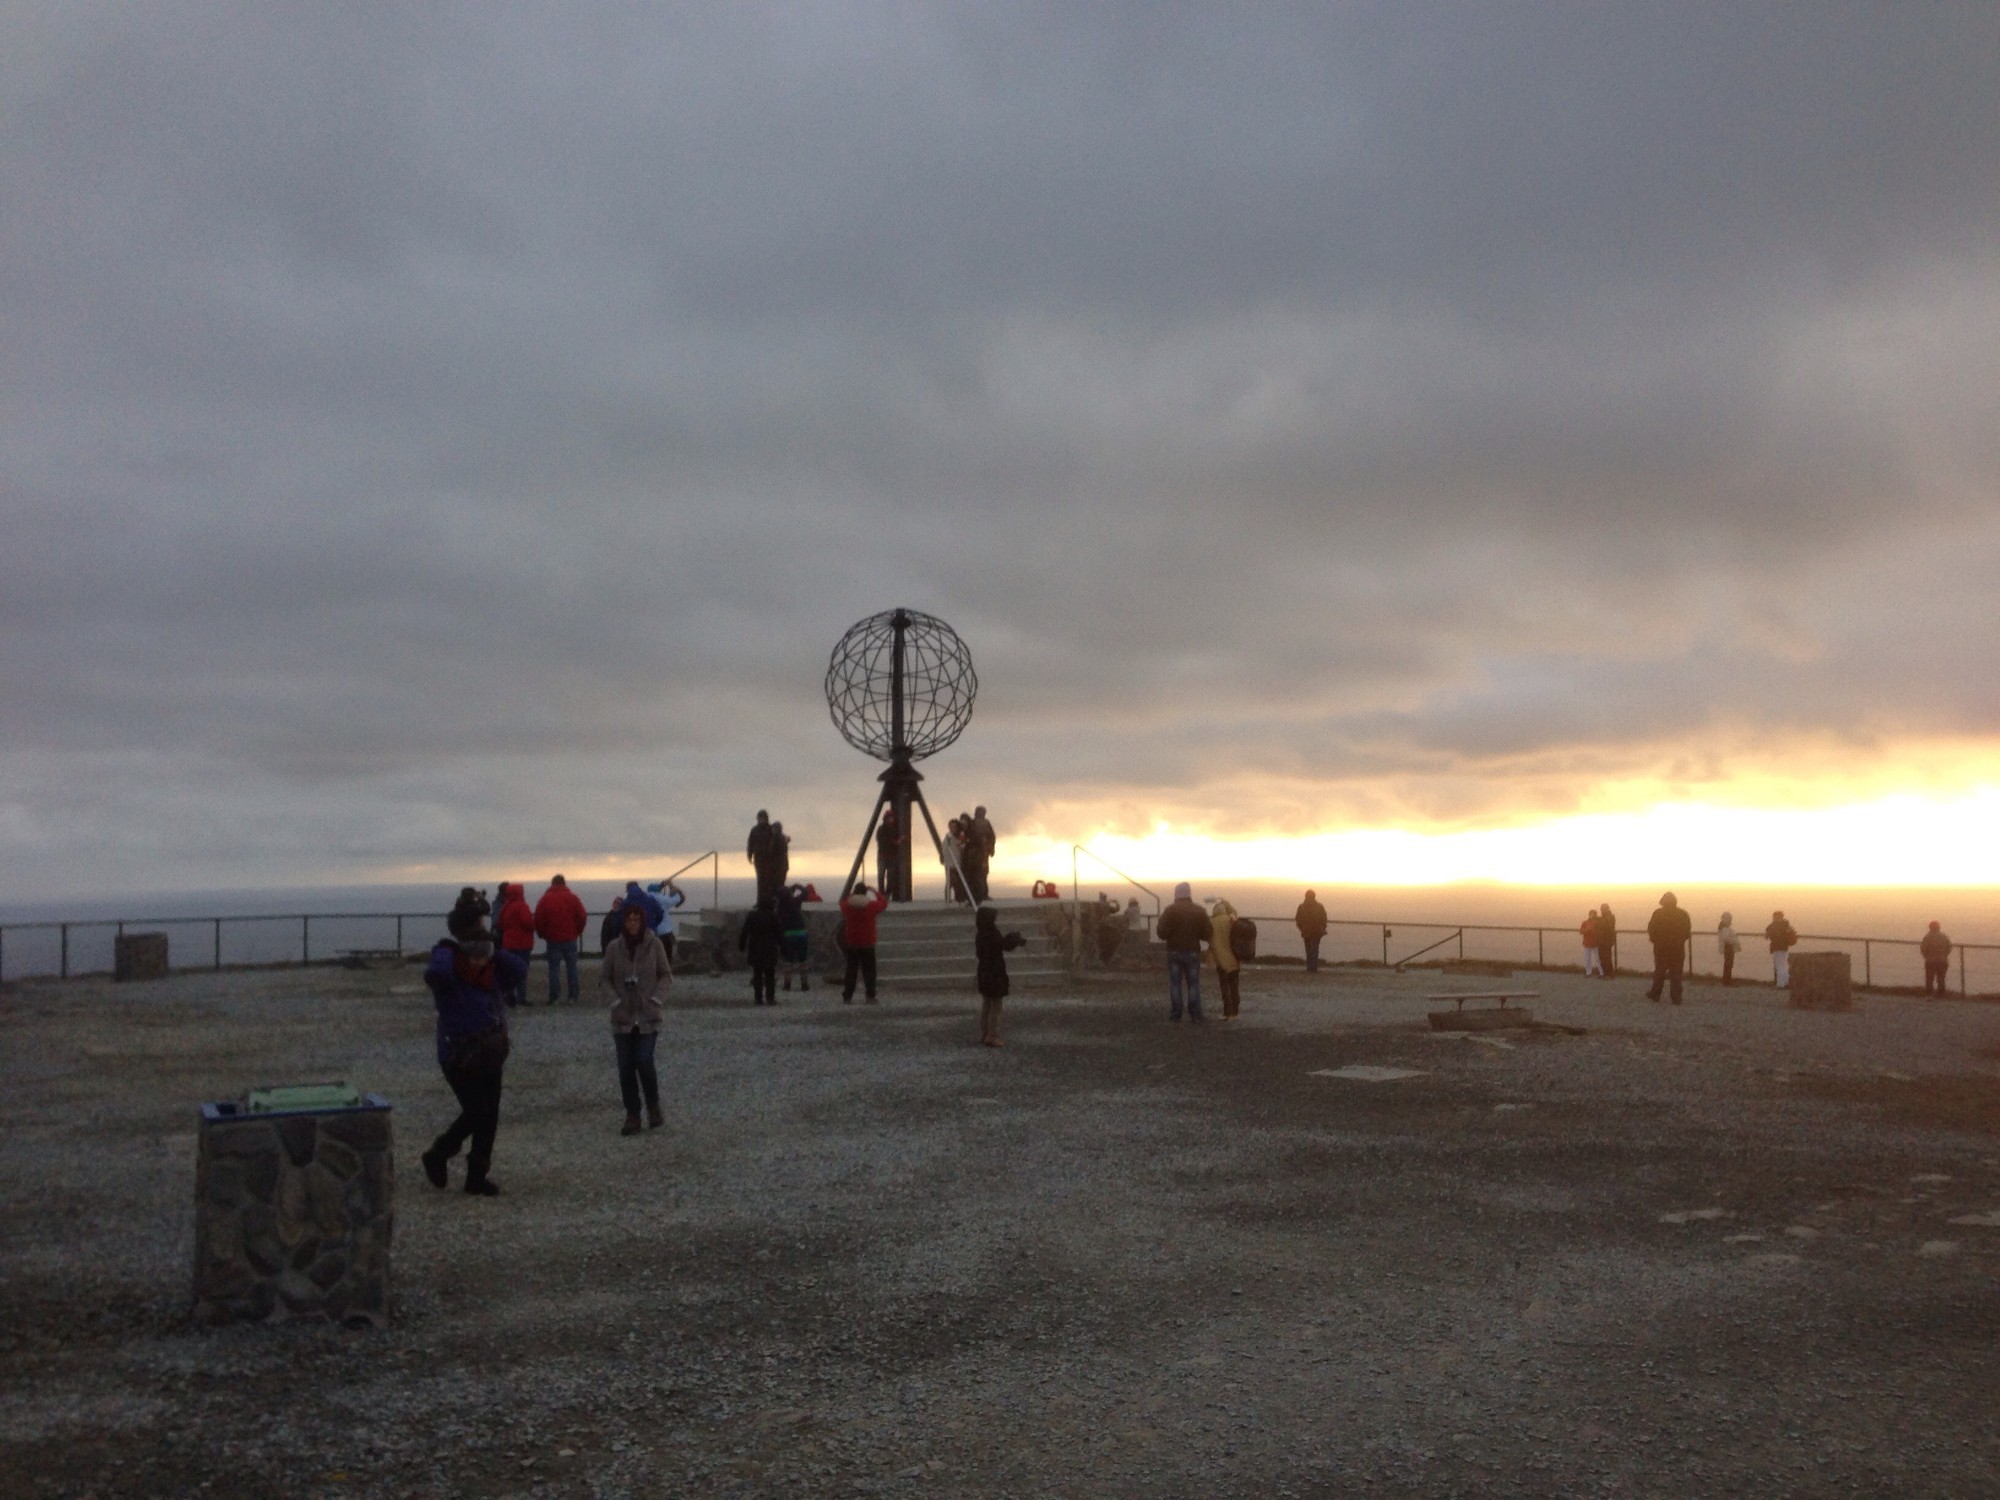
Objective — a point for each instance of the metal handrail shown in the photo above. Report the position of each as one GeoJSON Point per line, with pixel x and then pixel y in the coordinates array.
{"type": "Point", "coordinates": [714, 856]}
{"type": "Point", "coordinates": [1076, 893]}
{"type": "Point", "coordinates": [1459, 933]}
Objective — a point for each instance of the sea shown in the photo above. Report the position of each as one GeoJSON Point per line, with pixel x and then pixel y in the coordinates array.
{"type": "Point", "coordinates": [1526, 924]}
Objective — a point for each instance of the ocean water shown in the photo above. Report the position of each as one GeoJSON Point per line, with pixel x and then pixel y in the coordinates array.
{"type": "Point", "coordinates": [265, 926]}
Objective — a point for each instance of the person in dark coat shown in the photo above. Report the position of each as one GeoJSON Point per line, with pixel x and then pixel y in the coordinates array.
{"type": "Point", "coordinates": [889, 837]}
{"type": "Point", "coordinates": [773, 863]}
{"type": "Point", "coordinates": [612, 925]}
{"type": "Point", "coordinates": [1184, 927]}
{"type": "Point", "coordinates": [760, 838]}
{"type": "Point", "coordinates": [465, 976]}
{"type": "Point", "coordinates": [1782, 937]}
{"type": "Point", "coordinates": [992, 947]}
{"type": "Point", "coordinates": [759, 942]}
{"type": "Point", "coordinates": [1310, 919]}
{"type": "Point", "coordinates": [1110, 928]}
{"type": "Point", "coordinates": [1936, 949]}
{"type": "Point", "coordinates": [977, 854]}
{"type": "Point", "coordinates": [1668, 931]}
{"type": "Point", "coordinates": [1607, 940]}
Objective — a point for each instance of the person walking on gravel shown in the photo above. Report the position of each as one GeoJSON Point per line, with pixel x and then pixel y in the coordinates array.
{"type": "Point", "coordinates": [794, 940]}
{"type": "Point", "coordinates": [635, 976]}
{"type": "Point", "coordinates": [559, 923]}
{"type": "Point", "coordinates": [1184, 927]}
{"type": "Point", "coordinates": [1668, 932]}
{"type": "Point", "coordinates": [991, 946]}
{"type": "Point", "coordinates": [760, 941]}
{"type": "Point", "coordinates": [1782, 937]}
{"type": "Point", "coordinates": [1310, 919]}
{"type": "Point", "coordinates": [1936, 949]}
{"type": "Point", "coordinates": [465, 976]}
{"type": "Point", "coordinates": [857, 933]}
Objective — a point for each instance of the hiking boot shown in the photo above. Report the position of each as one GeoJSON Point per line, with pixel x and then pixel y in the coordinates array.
{"type": "Point", "coordinates": [482, 1187]}
{"type": "Point", "coordinates": [631, 1126]}
{"type": "Point", "coordinates": [434, 1166]}
{"type": "Point", "coordinates": [654, 1119]}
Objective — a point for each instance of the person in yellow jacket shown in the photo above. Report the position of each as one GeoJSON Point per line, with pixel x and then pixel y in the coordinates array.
{"type": "Point", "coordinates": [1228, 972]}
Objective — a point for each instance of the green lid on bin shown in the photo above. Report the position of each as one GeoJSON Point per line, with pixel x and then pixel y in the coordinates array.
{"type": "Point", "coordinates": [289, 1098]}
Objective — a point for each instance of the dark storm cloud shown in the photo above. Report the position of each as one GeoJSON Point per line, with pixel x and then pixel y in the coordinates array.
{"type": "Point", "coordinates": [436, 433]}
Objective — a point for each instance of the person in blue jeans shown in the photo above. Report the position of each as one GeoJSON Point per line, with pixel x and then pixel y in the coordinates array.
{"type": "Point", "coordinates": [1184, 927]}
{"type": "Point", "coordinates": [635, 979]}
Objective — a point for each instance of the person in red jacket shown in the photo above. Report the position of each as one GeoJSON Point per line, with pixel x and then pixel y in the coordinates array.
{"type": "Point", "coordinates": [514, 929]}
{"type": "Point", "coordinates": [857, 933]}
{"type": "Point", "coordinates": [559, 921]}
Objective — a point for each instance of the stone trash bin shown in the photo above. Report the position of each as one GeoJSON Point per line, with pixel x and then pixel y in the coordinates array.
{"type": "Point", "coordinates": [294, 1207]}
{"type": "Point", "coordinates": [1822, 981]}
{"type": "Point", "coordinates": [138, 955]}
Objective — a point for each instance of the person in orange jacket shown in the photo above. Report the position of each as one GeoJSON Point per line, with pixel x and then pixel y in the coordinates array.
{"type": "Point", "coordinates": [515, 928]}
{"type": "Point", "coordinates": [559, 921]}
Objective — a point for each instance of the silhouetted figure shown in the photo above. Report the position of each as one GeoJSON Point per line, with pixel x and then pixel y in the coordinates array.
{"type": "Point", "coordinates": [1936, 949]}
{"type": "Point", "coordinates": [1668, 931]}
{"type": "Point", "coordinates": [1607, 940]}
{"type": "Point", "coordinates": [1310, 919]}
{"type": "Point", "coordinates": [774, 863]}
{"type": "Point", "coordinates": [1782, 937]}
{"type": "Point", "coordinates": [992, 947]}
{"type": "Point", "coordinates": [1184, 927]}
{"type": "Point", "coordinates": [1110, 928]}
{"type": "Point", "coordinates": [794, 941]}
{"type": "Point", "coordinates": [974, 851]}
{"type": "Point", "coordinates": [889, 839]}
{"type": "Point", "coordinates": [761, 940]}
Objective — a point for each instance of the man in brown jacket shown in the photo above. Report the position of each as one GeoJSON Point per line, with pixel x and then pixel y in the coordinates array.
{"type": "Point", "coordinates": [636, 975]}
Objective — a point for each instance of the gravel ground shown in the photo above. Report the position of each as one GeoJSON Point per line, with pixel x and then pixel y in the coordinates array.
{"type": "Point", "coordinates": [1700, 1251]}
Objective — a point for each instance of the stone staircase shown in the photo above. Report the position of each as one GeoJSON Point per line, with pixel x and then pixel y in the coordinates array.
{"type": "Point", "coordinates": [929, 943]}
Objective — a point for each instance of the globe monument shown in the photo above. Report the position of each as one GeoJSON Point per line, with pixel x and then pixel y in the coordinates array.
{"type": "Point", "coordinates": [899, 687]}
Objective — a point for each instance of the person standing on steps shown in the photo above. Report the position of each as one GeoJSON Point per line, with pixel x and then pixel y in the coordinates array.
{"type": "Point", "coordinates": [559, 921]}
{"type": "Point", "coordinates": [976, 855]}
{"type": "Point", "coordinates": [979, 828]}
{"type": "Point", "coordinates": [464, 975]}
{"type": "Point", "coordinates": [1781, 935]}
{"type": "Point", "coordinates": [991, 947]}
{"type": "Point", "coordinates": [1668, 931]}
{"type": "Point", "coordinates": [1310, 919]}
{"type": "Point", "coordinates": [760, 838]}
{"type": "Point", "coordinates": [794, 941]}
{"type": "Point", "coordinates": [774, 863]}
{"type": "Point", "coordinates": [1936, 949]}
{"type": "Point", "coordinates": [1728, 944]}
{"type": "Point", "coordinates": [1184, 927]}
{"type": "Point", "coordinates": [760, 942]}
{"type": "Point", "coordinates": [858, 912]}
{"type": "Point", "coordinates": [1222, 952]}
{"type": "Point", "coordinates": [889, 837]}
{"type": "Point", "coordinates": [1110, 928]}
{"type": "Point", "coordinates": [635, 977]}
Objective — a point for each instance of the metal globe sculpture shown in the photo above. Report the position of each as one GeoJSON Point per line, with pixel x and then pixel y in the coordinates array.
{"type": "Point", "coordinates": [899, 687]}
{"type": "Point", "coordinates": [900, 682]}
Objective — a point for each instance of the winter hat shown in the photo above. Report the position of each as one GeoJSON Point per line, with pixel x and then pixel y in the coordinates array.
{"type": "Point", "coordinates": [465, 922]}
{"type": "Point", "coordinates": [1183, 891]}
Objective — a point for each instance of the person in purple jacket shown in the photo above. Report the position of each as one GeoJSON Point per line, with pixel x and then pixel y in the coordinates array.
{"type": "Point", "coordinates": [466, 976]}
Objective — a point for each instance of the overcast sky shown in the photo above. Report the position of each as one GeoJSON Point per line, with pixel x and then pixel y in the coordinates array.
{"type": "Point", "coordinates": [441, 437]}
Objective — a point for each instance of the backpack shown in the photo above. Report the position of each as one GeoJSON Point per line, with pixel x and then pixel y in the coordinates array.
{"type": "Point", "coordinates": [1243, 939]}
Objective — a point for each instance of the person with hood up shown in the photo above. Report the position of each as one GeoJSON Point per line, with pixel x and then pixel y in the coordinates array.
{"type": "Point", "coordinates": [1728, 943]}
{"type": "Point", "coordinates": [635, 976]}
{"type": "Point", "coordinates": [991, 946]}
{"type": "Point", "coordinates": [1222, 953]}
{"type": "Point", "coordinates": [1310, 919]}
{"type": "Point", "coordinates": [647, 902]}
{"type": "Point", "coordinates": [759, 942]}
{"type": "Point", "coordinates": [1668, 931]}
{"type": "Point", "coordinates": [1936, 949]}
{"type": "Point", "coordinates": [794, 940]}
{"type": "Point", "coordinates": [1782, 936]}
{"type": "Point", "coordinates": [1184, 927]}
{"type": "Point", "coordinates": [465, 975]}
{"type": "Point", "coordinates": [516, 925]}
{"type": "Point", "coordinates": [671, 898]}
{"type": "Point", "coordinates": [1607, 940]}
{"type": "Point", "coordinates": [559, 921]}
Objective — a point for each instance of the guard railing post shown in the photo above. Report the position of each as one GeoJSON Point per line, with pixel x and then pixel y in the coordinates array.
{"type": "Point", "coordinates": [399, 934]}
{"type": "Point", "coordinates": [65, 950]}
{"type": "Point", "coordinates": [1961, 973]}
{"type": "Point", "coordinates": [305, 939]}
{"type": "Point", "coordinates": [1867, 963]}
{"type": "Point", "coordinates": [218, 944]}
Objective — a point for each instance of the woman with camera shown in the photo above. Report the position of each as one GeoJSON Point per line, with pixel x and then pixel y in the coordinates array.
{"type": "Point", "coordinates": [636, 973]}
